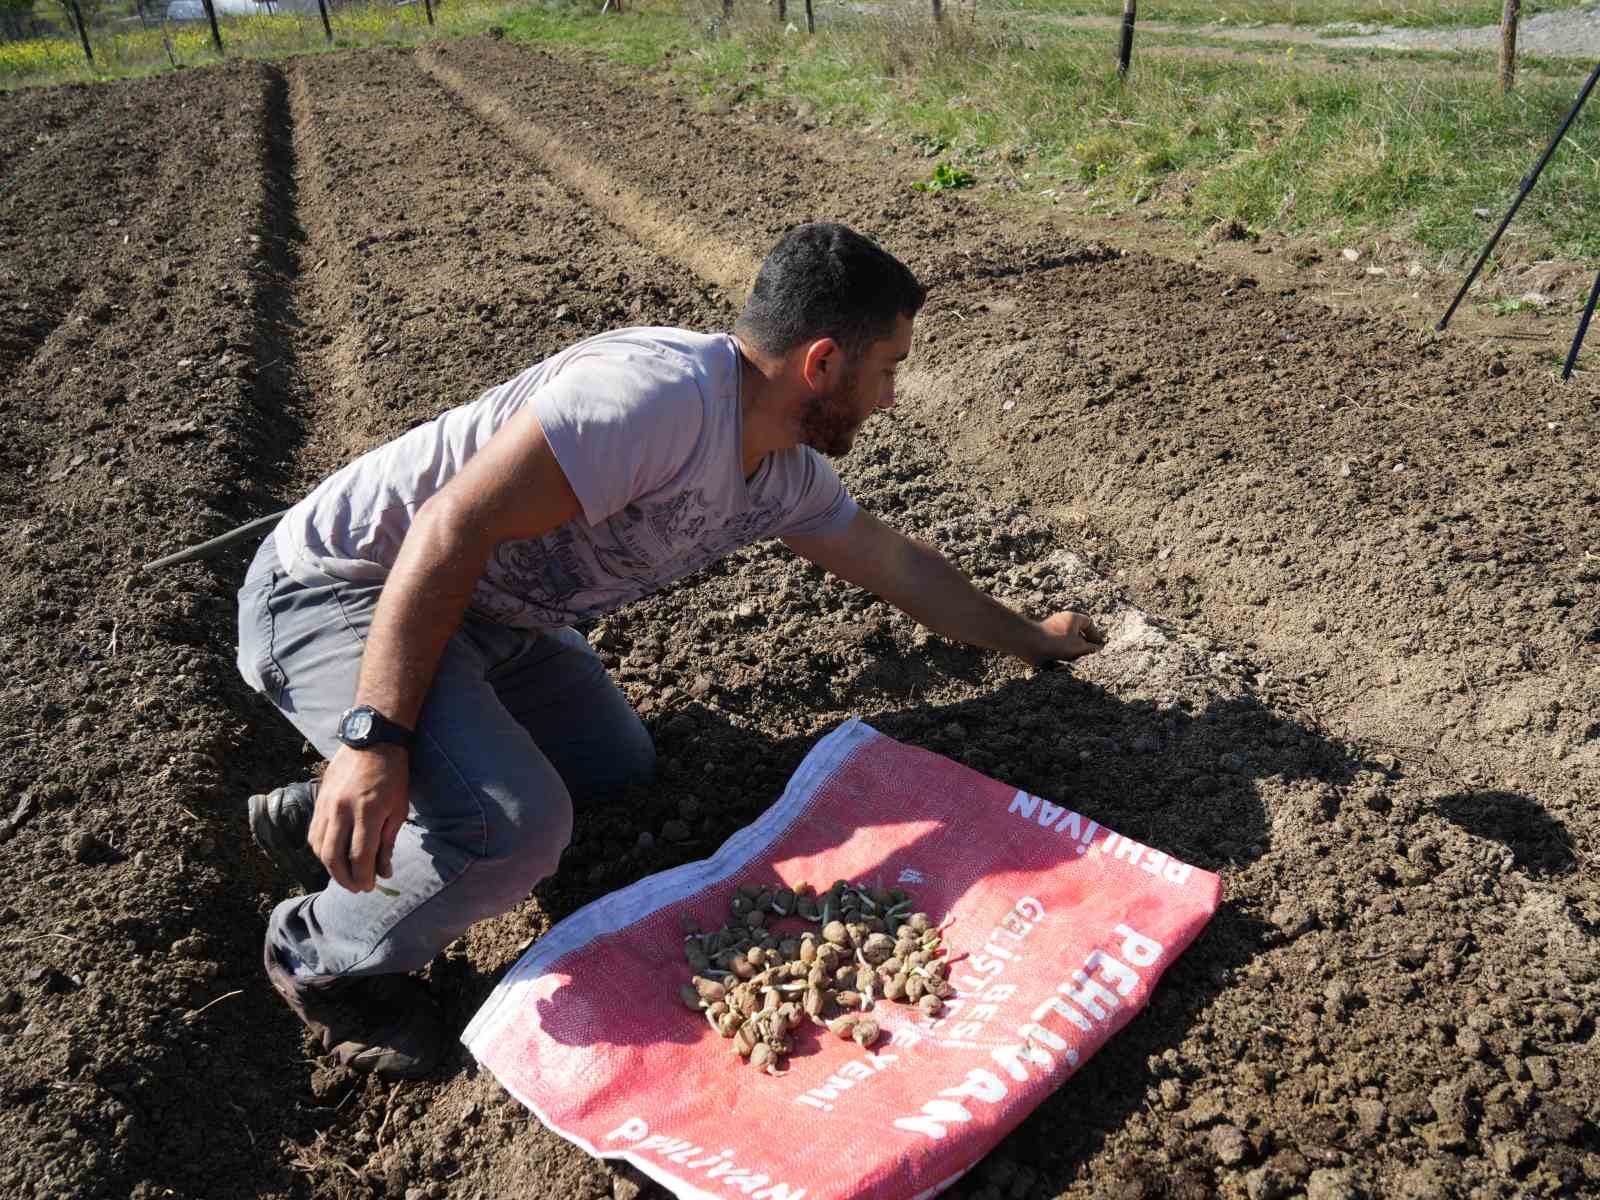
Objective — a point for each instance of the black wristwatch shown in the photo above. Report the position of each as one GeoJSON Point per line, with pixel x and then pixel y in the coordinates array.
{"type": "Point", "coordinates": [364, 727]}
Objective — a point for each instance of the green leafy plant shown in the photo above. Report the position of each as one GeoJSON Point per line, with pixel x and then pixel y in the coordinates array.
{"type": "Point", "coordinates": [946, 176]}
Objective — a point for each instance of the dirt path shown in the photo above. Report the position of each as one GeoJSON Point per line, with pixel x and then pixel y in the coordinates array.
{"type": "Point", "coordinates": [1348, 569]}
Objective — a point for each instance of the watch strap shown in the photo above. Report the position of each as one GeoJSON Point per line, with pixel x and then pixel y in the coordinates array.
{"type": "Point", "coordinates": [382, 730]}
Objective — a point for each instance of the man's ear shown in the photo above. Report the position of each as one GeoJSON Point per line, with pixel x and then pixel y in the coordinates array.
{"type": "Point", "coordinates": [821, 363]}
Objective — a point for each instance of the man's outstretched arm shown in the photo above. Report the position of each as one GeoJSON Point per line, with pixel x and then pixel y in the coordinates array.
{"type": "Point", "coordinates": [917, 579]}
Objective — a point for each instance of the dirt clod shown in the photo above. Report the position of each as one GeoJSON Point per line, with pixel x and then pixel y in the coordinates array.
{"type": "Point", "coordinates": [1229, 1144]}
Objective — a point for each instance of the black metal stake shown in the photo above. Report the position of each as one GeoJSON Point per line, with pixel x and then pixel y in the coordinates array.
{"type": "Point", "coordinates": [77, 18]}
{"type": "Point", "coordinates": [428, 5]}
{"type": "Point", "coordinates": [1527, 186]}
{"type": "Point", "coordinates": [1583, 328]}
{"type": "Point", "coordinates": [216, 36]}
{"type": "Point", "coordinates": [1125, 51]}
{"type": "Point", "coordinates": [322, 7]}
{"type": "Point", "coordinates": [811, 19]}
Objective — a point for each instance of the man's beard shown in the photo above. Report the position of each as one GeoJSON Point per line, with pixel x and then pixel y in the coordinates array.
{"type": "Point", "coordinates": [830, 421]}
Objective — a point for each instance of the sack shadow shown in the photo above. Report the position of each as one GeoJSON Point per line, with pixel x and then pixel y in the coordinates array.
{"type": "Point", "coordinates": [1194, 781]}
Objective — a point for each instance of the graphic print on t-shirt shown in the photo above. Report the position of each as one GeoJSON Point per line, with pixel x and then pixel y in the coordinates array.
{"type": "Point", "coordinates": [563, 577]}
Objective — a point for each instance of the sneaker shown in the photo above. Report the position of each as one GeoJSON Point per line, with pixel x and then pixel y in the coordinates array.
{"type": "Point", "coordinates": [382, 1025]}
{"type": "Point", "coordinates": [279, 822]}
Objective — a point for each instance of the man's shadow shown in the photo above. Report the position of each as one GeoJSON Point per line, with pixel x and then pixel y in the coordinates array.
{"type": "Point", "coordinates": [1185, 780]}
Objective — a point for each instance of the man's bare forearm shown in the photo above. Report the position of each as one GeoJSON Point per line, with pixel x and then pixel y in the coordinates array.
{"type": "Point", "coordinates": [421, 607]}
{"type": "Point", "coordinates": [938, 595]}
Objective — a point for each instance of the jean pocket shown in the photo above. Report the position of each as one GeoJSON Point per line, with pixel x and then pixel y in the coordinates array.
{"type": "Point", "coordinates": [256, 661]}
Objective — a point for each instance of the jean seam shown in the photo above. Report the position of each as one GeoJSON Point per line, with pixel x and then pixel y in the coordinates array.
{"type": "Point", "coordinates": [461, 781]}
{"type": "Point", "coordinates": [280, 677]}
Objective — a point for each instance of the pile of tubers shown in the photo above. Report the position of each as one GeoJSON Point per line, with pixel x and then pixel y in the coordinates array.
{"type": "Point", "coordinates": [756, 982]}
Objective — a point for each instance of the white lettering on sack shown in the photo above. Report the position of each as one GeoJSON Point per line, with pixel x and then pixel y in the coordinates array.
{"type": "Point", "coordinates": [1090, 998]}
{"type": "Point", "coordinates": [847, 1076]}
{"type": "Point", "coordinates": [981, 969]}
{"type": "Point", "coordinates": [1165, 868]}
{"type": "Point", "coordinates": [1075, 826]}
{"type": "Point", "coordinates": [1081, 831]}
{"type": "Point", "coordinates": [936, 1115]}
{"type": "Point", "coordinates": [719, 1166]}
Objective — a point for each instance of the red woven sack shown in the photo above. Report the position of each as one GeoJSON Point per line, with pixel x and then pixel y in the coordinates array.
{"type": "Point", "coordinates": [1056, 928]}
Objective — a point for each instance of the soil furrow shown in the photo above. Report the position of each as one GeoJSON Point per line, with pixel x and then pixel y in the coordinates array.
{"type": "Point", "coordinates": [68, 177]}
{"type": "Point", "coordinates": [729, 267]}
{"type": "Point", "coordinates": [444, 244]}
{"type": "Point", "coordinates": [120, 698]}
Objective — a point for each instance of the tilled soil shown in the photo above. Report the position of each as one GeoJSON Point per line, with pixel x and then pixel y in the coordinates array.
{"type": "Point", "coordinates": [1348, 571]}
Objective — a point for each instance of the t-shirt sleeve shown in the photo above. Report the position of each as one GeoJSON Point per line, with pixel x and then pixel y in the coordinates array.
{"type": "Point", "coordinates": [819, 503]}
{"type": "Point", "coordinates": [619, 428]}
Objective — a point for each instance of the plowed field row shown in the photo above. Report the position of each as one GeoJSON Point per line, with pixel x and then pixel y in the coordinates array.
{"type": "Point", "coordinates": [1343, 566]}
{"type": "Point", "coordinates": [146, 419]}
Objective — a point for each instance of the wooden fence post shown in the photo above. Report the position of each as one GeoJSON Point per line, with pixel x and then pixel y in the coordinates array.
{"type": "Point", "coordinates": [1125, 53]}
{"type": "Point", "coordinates": [216, 35]}
{"type": "Point", "coordinates": [1508, 43]}
{"type": "Point", "coordinates": [77, 19]}
{"type": "Point", "coordinates": [322, 7]}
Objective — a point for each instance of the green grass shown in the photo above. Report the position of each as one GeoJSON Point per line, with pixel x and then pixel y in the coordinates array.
{"type": "Point", "coordinates": [45, 61]}
{"type": "Point", "coordinates": [1420, 14]}
{"type": "Point", "coordinates": [1340, 145]}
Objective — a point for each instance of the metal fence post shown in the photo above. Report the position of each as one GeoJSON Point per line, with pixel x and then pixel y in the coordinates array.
{"type": "Point", "coordinates": [216, 35]}
{"type": "Point", "coordinates": [77, 18]}
{"type": "Point", "coordinates": [322, 7]}
{"type": "Point", "coordinates": [1125, 53]}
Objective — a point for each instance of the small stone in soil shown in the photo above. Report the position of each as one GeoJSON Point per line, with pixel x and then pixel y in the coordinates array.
{"type": "Point", "coordinates": [84, 847]}
{"type": "Point", "coordinates": [675, 831]}
{"type": "Point", "coordinates": [1292, 920]}
{"type": "Point", "coordinates": [1230, 1145]}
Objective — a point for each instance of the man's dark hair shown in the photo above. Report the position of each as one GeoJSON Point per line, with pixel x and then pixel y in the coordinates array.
{"type": "Point", "coordinates": [827, 281]}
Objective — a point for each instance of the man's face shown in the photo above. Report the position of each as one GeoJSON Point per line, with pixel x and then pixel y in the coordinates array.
{"type": "Point", "coordinates": [863, 385]}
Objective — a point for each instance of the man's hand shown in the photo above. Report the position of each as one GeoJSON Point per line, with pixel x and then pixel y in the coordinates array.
{"type": "Point", "coordinates": [361, 803]}
{"type": "Point", "coordinates": [1069, 635]}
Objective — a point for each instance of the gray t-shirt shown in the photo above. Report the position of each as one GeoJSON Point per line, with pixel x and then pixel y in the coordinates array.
{"type": "Point", "coordinates": [646, 425]}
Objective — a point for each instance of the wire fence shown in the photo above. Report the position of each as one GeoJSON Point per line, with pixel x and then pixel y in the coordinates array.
{"type": "Point", "coordinates": [49, 45]}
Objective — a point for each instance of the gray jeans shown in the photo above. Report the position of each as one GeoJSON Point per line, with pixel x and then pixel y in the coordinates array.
{"type": "Point", "coordinates": [515, 725]}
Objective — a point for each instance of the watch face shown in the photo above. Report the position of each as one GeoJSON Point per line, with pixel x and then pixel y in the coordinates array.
{"type": "Point", "coordinates": [359, 726]}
